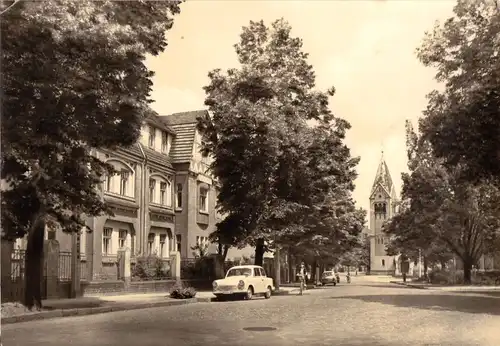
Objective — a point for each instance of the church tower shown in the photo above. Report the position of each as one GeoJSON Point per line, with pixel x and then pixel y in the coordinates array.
{"type": "Point", "coordinates": [382, 208]}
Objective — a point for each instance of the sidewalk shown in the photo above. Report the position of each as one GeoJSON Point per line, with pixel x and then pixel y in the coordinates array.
{"type": "Point", "coordinates": [90, 305]}
{"type": "Point", "coordinates": [470, 288]}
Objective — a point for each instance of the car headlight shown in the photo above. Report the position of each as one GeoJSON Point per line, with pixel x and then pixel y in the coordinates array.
{"type": "Point", "coordinates": [241, 285]}
{"type": "Point", "coordinates": [214, 285]}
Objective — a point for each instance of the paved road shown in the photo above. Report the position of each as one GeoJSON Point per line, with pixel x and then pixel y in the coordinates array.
{"type": "Point", "coordinates": [362, 313]}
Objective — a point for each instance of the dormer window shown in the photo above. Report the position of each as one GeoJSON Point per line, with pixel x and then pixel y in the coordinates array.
{"type": "Point", "coordinates": [152, 136]}
{"type": "Point", "coordinates": [164, 143]}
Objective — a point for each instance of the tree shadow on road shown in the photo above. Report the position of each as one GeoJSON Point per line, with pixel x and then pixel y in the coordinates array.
{"type": "Point", "coordinates": [389, 286]}
{"type": "Point", "coordinates": [456, 303]}
{"type": "Point", "coordinates": [491, 294]}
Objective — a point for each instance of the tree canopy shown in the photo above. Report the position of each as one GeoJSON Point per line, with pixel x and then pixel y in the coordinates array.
{"type": "Point", "coordinates": [73, 79]}
{"type": "Point", "coordinates": [462, 121]}
{"type": "Point", "coordinates": [279, 176]}
{"type": "Point", "coordinates": [442, 213]}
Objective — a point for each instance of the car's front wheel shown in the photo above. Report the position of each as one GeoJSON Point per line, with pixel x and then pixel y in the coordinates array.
{"type": "Point", "coordinates": [268, 292]}
{"type": "Point", "coordinates": [249, 294]}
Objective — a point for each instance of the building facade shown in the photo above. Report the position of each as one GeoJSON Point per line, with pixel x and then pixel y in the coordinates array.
{"type": "Point", "coordinates": [382, 207]}
{"type": "Point", "coordinates": [163, 198]}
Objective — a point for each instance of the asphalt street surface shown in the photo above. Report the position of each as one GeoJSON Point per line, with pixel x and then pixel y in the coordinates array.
{"type": "Point", "coordinates": [361, 313]}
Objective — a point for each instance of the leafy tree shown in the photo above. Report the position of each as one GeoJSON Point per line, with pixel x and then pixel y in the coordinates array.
{"type": "Point", "coordinates": [446, 211]}
{"type": "Point", "coordinates": [364, 253]}
{"type": "Point", "coordinates": [462, 121]}
{"type": "Point", "coordinates": [73, 79]}
{"type": "Point", "coordinates": [229, 232]}
{"type": "Point", "coordinates": [258, 135]}
{"type": "Point", "coordinates": [410, 230]}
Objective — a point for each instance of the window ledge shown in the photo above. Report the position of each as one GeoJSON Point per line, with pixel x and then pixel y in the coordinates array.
{"type": "Point", "coordinates": [158, 205]}
{"type": "Point", "coordinates": [117, 195]}
{"type": "Point", "coordinates": [178, 209]}
{"type": "Point", "coordinates": [204, 212]}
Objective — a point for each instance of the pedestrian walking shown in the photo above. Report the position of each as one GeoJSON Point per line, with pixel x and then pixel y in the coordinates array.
{"type": "Point", "coordinates": [302, 277]}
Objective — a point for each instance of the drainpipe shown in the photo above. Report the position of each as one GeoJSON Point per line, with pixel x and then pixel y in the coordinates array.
{"type": "Point", "coordinates": [142, 202]}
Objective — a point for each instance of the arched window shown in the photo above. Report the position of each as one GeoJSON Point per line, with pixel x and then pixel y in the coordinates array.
{"type": "Point", "coordinates": [123, 181]}
{"type": "Point", "coordinates": [160, 190]}
{"type": "Point", "coordinates": [380, 208]}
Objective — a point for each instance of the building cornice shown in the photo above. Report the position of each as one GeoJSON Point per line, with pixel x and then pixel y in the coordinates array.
{"type": "Point", "coordinates": [121, 201]}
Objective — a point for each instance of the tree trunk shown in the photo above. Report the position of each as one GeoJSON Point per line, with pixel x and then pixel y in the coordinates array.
{"type": "Point", "coordinates": [291, 261]}
{"type": "Point", "coordinates": [259, 252]}
{"type": "Point", "coordinates": [34, 266]}
{"type": "Point", "coordinates": [426, 265]}
{"type": "Point", "coordinates": [224, 253]}
{"type": "Point", "coordinates": [467, 271]}
{"type": "Point", "coordinates": [313, 270]}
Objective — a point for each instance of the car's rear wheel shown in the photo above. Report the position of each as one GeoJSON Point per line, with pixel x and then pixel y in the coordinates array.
{"type": "Point", "coordinates": [249, 294]}
{"type": "Point", "coordinates": [268, 292]}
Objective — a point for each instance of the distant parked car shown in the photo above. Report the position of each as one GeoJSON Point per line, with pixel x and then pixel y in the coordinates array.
{"type": "Point", "coordinates": [245, 281]}
{"type": "Point", "coordinates": [328, 278]}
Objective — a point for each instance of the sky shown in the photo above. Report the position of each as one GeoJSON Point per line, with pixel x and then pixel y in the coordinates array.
{"type": "Point", "coordinates": [366, 49]}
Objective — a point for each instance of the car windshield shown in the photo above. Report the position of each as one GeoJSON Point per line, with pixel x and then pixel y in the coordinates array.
{"type": "Point", "coordinates": [327, 274]}
{"type": "Point", "coordinates": [239, 272]}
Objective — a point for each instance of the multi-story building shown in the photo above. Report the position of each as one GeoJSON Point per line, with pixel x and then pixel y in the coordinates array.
{"type": "Point", "coordinates": [163, 198]}
{"type": "Point", "coordinates": [195, 189]}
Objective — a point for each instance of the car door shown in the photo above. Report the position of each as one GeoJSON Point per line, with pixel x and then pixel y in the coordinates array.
{"type": "Point", "coordinates": [256, 280]}
{"type": "Point", "coordinates": [262, 273]}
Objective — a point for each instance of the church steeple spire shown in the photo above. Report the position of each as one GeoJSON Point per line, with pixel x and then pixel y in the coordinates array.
{"type": "Point", "coordinates": [383, 177]}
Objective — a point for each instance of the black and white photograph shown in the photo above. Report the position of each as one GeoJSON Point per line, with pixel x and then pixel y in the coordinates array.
{"type": "Point", "coordinates": [250, 172]}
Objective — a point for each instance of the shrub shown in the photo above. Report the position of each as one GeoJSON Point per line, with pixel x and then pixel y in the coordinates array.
{"type": "Point", "coordinates": [179, 291]}
{"type": "Point", "coordinates": [486, 278]}
{"type": "Point", "coordinates": [149, 268]}
{"type": "Point", "coordinates": [446, 277]}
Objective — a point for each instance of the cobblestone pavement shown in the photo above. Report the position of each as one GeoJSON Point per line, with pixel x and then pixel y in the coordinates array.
{"type": "Point", "coordinates": [362, 313]}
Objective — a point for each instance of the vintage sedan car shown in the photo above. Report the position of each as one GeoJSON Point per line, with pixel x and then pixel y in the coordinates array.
{"type": "Point", "coordinates": [328, 277]}
{"type": "Point", "coordinates": [245, 281]}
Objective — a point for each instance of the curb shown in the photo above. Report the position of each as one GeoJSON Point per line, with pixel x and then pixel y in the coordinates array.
{"type": "Point", "coordinates": [408, 285]}
{"type": "Point", "coordinates": [479, 289]}
{"type": "Point", "coordinates": [43, 315]}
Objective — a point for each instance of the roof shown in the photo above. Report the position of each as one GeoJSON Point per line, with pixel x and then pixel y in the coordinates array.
{"type": "Point", "coordinates": [383, 178]}
{"type": "Point", "coordinates": [133, 149]}
{"type": "Point", "coordinates": [184, 124]}
{"type": "Point", "coordinates": [156, 157]}
{"type": "Point", "coordinates": [251, 266]}
{"type": "Point", "coordinates": [156, 121]}
{"type": "Point", "coordinates": [184, 117]}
